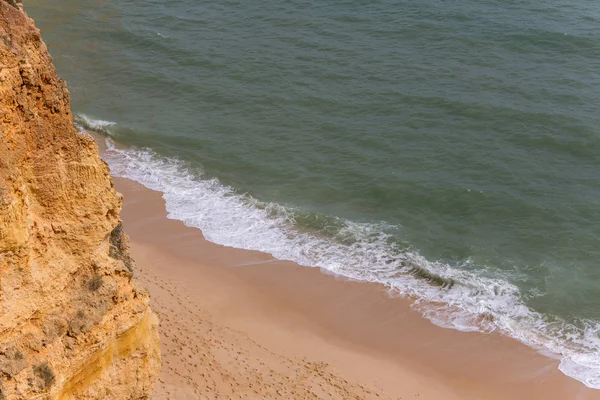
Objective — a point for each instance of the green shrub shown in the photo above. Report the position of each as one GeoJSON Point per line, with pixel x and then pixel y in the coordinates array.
{"type": "Point", "coordinates": [118, 247]}
{"type": "Point", "coordinates": [13, 3]}
{"type": "Point", "coordinates": [95, 283]}
{"type": "Point", "coordinates": [116, 236]}
{"type": "Point", "coordinates": [45, 373]}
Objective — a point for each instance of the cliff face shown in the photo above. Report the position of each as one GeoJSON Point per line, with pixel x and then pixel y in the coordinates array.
{"type": "Point", "coordinates": [73, 322]}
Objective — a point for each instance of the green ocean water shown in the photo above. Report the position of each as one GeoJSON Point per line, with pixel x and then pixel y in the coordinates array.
{"type": "Point", "coordinates": [383, 140]}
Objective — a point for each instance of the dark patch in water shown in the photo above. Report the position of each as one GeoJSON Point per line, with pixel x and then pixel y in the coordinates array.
{"type": "Point", "coordinates": [431, 278]}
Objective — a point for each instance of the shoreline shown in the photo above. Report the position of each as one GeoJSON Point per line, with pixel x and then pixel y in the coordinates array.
{"type": "Point", "coordinates": [372, 342]}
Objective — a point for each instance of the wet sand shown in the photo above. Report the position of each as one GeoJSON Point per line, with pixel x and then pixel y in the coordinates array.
{"type": "Point", "coordinates": [241, 324]}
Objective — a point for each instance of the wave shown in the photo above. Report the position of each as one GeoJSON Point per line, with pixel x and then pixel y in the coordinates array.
{"type": "Point", "coordinates": [82, 121]}
{"type": "Point", "coordinates": [451, 296]}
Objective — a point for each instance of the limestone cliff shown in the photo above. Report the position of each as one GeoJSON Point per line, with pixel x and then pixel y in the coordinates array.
{"type": "Point", "coordinates": [73, 322]}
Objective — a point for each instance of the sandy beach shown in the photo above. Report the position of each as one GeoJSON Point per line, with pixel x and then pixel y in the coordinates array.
{"type": "Point", "coordinates": [369, 199]}
{"type": "Point", "coordinates": [417, 184]}
{"type": "Point", "coordinates": [240, 324]}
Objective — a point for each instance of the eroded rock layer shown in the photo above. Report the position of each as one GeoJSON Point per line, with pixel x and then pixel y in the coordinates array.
{"type": "Point", "coordinates": [73, 322]}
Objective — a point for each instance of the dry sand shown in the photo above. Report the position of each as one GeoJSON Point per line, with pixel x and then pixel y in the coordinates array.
{"type": "Point", "coordinates": [239, 324]}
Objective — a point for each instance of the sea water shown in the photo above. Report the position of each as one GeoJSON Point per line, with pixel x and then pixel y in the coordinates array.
{"type": "Point", "coordinates": [450, 150]}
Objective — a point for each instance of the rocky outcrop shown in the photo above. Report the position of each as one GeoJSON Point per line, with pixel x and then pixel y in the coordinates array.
{"type": "Point", "coordinates": [73, 322]}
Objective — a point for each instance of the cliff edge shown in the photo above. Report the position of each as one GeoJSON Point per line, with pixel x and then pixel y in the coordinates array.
{"type": "Point", "coordinates": [73, 322]}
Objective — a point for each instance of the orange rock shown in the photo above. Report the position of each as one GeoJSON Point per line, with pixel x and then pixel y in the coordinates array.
{"type": "Point", "coordinates": [73, 322]}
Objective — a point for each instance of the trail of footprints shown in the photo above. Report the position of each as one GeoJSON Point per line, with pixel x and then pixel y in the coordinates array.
{"type": "Point", "coordinates": [203, 360]}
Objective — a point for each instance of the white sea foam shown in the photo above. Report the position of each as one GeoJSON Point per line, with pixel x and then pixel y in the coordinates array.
{"type": "Point", "coordinates": [477, 302]}
{"type": "Point", "coordinates": [83, 121]}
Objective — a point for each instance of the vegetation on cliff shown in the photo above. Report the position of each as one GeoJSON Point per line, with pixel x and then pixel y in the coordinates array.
{"type": "Point", "coordinates": [73, 323]}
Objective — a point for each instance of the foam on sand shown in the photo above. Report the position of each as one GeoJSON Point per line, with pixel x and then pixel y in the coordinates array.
{"type": "Point", "coordinates": [450, 296]}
